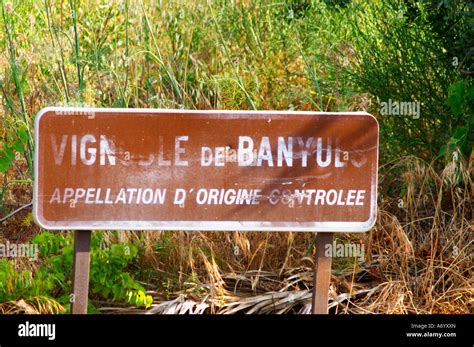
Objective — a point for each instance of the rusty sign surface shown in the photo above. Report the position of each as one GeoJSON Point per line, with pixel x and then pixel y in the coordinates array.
{"type": "Point", "coordinates": [205, 170]}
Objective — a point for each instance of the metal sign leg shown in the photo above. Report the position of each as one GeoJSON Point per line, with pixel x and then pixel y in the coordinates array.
{"type": "Point", "coordinates": [322, 274]}
{"type": "Point", "coordinates": [80, 280]}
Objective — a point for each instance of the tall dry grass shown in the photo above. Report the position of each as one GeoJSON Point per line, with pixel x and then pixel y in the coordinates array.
{"type": "Point", "coordinates": [418, 257]}
{"type": "Point", "coordinates": [242, 55]}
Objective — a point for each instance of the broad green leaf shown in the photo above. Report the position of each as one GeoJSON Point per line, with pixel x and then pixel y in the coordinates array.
{"type": "Point", "coordinates": [23, 134]}
{"type": "Point", "coordinates": [18, 146]}
{"type": "Point", "coordinates": [455, 98]}
{"type": "Point", "coordinates": [9, 153]}
{"type": "Point", "coordinates": [149, 301]}
{"type": "Point", "coordinates": [5, 160]}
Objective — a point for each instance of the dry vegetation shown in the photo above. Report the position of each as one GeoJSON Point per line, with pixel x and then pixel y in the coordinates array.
{"type": "Point", "coordinates": [418, 257]}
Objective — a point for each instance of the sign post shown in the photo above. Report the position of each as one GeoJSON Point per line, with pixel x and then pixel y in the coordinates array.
{"type": "Point", "coordinates": [322, 274]}
{"type": "Point", "coordinates": [80, 279]}
{"type": "Point", "coordinates": [144, 169]}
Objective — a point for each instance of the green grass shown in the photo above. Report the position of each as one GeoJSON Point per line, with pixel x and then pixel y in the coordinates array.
{"type": "Point", "coordinates": [282, 55]}
{"type": "Point", "coordinates": [304, 55]}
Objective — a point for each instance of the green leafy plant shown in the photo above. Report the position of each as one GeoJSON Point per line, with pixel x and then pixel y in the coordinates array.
{"type": "Point", "coordinates": [139, 298]}
{"type": "Point", "coordinates": [461, 102]}
{"type": "Point", "coordinates": [22, 141]}
{"type": "Point", "coordinates": [14, 142]}
{"type": "Point", "coordinates": [110, 276]}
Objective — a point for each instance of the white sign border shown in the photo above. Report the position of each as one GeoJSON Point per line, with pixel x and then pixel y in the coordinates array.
{"type": "Point", "coordinates": [327, 226]}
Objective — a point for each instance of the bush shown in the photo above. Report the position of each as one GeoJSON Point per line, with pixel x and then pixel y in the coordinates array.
{"type": "Point", "coordinates": [109, 273]}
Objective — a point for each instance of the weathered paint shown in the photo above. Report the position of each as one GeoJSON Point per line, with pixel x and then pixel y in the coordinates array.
{"type": "Point", "coordinates": [130, 168]}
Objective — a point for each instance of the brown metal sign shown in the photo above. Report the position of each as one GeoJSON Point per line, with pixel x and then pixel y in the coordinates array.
{"type": "Point", "coordinates": [205, 170]}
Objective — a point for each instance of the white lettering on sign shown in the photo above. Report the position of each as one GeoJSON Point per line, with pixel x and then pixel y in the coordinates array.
{"type": "Point", "coordinates": [351, 197]}
{"type": "Point", "coordinates": [87, 150]}
{"type": "Point", "coordinates": [319, 151]}
{"type": "Point", "coordinates": [212, 196]}
{"type": "Point", "coordinates": [205, 170]}
{"type": "Point", "coordinates": [206, 156]}
{"type": "Point", "coordinates": [179, 150]}
{"type": "Point", "coordinates": [59, 152]}
{"type": "Point", "coordinates": [305, 147]}
{"type": "Point", "coordinates": [285, 151]}
{"type": "Point", "coordinates": [100, 196]}
{"type": "Point", "coordinates": [245, 152]}
{"type": "Point", "coordinates": [228, 196]}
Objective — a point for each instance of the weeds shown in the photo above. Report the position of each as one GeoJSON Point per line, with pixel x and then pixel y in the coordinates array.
{"type": "Point", "coordinates": [304, 55]}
